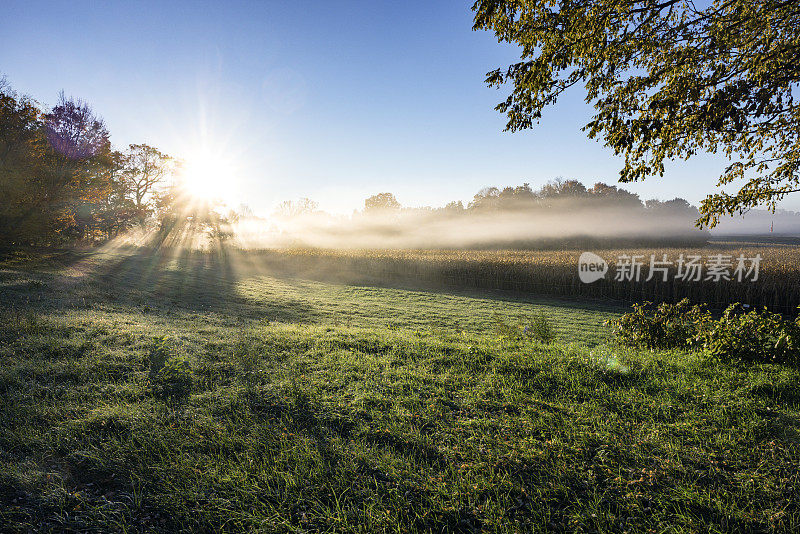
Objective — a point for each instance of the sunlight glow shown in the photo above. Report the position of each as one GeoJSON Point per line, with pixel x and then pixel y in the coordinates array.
{"type": "Point", "coordinates": [209, 176]}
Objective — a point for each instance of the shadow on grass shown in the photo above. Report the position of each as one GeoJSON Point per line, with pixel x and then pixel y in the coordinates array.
{"type": "Point", "coordinates": [154, 278]}
{"type": "Point", "coordinates": [159, 276]}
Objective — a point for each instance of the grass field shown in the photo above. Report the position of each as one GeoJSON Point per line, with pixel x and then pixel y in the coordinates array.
{"type": "Point", "coordinates": [318, 405]}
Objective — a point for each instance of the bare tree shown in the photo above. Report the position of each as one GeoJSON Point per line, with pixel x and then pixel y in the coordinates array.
{"type": "Point", "coordinates": [289, 209]}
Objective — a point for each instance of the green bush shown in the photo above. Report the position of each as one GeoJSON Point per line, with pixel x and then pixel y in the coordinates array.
{"type": "Point", "coordinates": [753, 336]}
{"type": "Point", "coordinates": [159, 353]}
{"type": "Point", "coordinates": [757, 335]}
{"type": "Point", "coordinates": [666, 326]}
{"type": "Point", "coordinates": [539, 327]}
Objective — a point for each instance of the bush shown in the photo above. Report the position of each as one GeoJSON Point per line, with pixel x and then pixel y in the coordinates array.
{"type": "Point", "coordinates": [159, 353]}
{"type": "Point", "coordinates": [753, 336]}
{"type": "Point", "coordinates": [666, 326]}
{"type": "Point", "coordinates": [757, 335]}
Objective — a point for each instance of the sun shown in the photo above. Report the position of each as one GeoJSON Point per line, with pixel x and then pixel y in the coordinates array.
{"type": "Point", "coordinates": [210, 177]}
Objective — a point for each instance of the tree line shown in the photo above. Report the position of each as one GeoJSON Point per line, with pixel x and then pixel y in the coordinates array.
{"type": "Point", "coordinates": [561, 213]}
{"type": "Point", "coordinates": [61, 180]}
{"type": "Point", "coordinates": [558, 194]}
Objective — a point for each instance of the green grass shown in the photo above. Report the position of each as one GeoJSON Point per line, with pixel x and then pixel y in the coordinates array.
{"type": "Point", "coordinates": [320, 406]}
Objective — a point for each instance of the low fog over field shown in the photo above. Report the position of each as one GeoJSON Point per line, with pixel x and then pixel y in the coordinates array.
{"type": "Point", "coordinates": [562, 213]}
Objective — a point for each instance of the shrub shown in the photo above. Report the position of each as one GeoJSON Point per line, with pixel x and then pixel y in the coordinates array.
{"type": "Point", "coordinates": [753, 336]}
{"type": "Point", "coordinates": [540, 328]}
{"type": "Point", "coordinates": [159, 353]}
{"type": "Point", "coordinates": [666, 326]}
{"type": "Point", "coordinates": [757, 335]}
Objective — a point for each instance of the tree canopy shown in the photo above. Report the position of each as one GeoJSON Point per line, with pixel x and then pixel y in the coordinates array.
{"type": "Point", "coordinates": [60, 179]}
{"type": "Point", "coordinates": [668, 80]}
{"type": "Point", "coordinates": [381, 203]}
{"type": "Point", "coordinates": [54, 169]}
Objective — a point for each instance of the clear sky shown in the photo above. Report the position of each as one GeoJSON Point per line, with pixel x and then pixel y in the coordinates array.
{"type": "Point", "coordinates": [333, 100]}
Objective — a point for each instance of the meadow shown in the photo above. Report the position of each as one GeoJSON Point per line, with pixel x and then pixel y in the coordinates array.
{"type": "Point", "coordinates": [312, 396]}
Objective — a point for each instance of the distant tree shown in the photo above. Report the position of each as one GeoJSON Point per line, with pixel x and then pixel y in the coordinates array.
{"type": "Point", "coordinates": [676, 206]}
{"type": "Point", "coordinates": [146, 167]}
{"type": "Point", "coordinates": [245, 211]}
{"type": "Point", "coordinates": [382, 202]}
{"type": "Point", "coordinates": [485, 199]}
{"type": "Point", "coordinates": [612, 196]}
{"type": "Point", "coordinates": [669, 79]}
{"type": "Point", "coordinates": [289, 209]}
{"type": "Point", "coordinates": [601, 189]}
{"type": "Point", "coordinates": [521, 197]}
{"type": "Point", "coordinates": [455, 207]}
{"type": "Point", "coordinates": [560, 188]}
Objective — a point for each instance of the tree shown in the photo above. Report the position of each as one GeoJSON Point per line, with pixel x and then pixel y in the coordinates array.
{"type": "Point", "coordinates": [116, 212]}
{"type": "Point", "coordinates": [517, 198]}
{"type": "Point", "coordinates": [486, 199]}
{"type": "Point", "coordinates": [78, 157]}
{"type": "Point", "coordinates": [455, 207]}
{"type": "Point", "coordinates": [60, 181]}
{"type": "Point", "coordinates": [52, 169]}
{"type": "Point", "coordinates": [289, 209]}
{"type": "Point", "coordinates": [560, 188]}
{"type": "Point", "coordinates": [676, 206]}
{"type": "Point", "coordinates": [668, 80]}
{"type": "Point", "coordinates": [182, 216]}
{"type": "Point", "coordinates": [74, 131]}
{"type": "Point", "coordinates": [613, 196]}
{"type": "Point", "coordinates": [381, 203]}
{"type": "Point", "coordinates": [22, 166]}
{"type": "Point", "coordinates": [146, 167]}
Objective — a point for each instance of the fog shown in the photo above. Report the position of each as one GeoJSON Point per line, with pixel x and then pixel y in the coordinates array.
{"type": "Point", "coordinates": [568, 226]}
{"type": "Point", "coordinates": [760, 222]}
{"type": "Point", "coordinates": [560, 215]}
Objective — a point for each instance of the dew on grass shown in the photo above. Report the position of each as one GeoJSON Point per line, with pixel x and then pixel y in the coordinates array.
{"type": "Point", "coordinates": [607, 359]}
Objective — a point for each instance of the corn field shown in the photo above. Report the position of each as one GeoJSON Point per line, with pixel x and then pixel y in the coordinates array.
{"type": "Point", "coordinates": [556, 273]}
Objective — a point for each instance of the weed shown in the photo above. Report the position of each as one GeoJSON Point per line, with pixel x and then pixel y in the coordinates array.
{"type": "Point", "coordinates": [173, 382]}
{"type": "Point", "coordinates": [535, 327]}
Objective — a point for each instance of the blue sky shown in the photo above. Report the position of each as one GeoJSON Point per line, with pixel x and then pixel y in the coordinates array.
{"type": "Point", "coordinates": [331, 100]}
